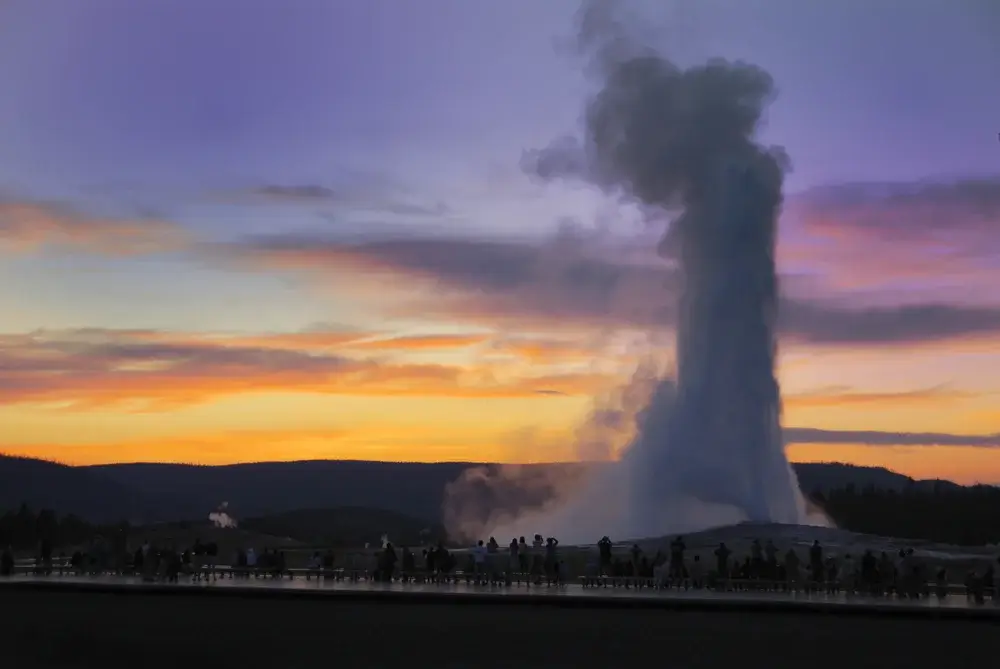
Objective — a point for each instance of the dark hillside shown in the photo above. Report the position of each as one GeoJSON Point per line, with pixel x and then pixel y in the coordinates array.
{"type": "Point", "coordinates": [82, 491]}
{"type": "Point", "coordinates": [145, 492]}
{"type": "Point", "coordinates": [346, 526]}
{"type": "Point", "coordinates": [266, 488]}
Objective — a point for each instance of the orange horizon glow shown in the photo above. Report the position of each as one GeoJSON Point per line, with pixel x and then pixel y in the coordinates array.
{"type": "Point", "coordinates": [105, 396]}
{"type": "Point", "coordinates": [918, 462]}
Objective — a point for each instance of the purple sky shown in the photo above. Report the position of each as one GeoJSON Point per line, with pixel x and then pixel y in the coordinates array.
{"type": "Point", "coordinates": [225, 165]}
{"type": "Point", "coordinates": [414, 114]}
{"type": "Point", "coordinates": [184, 93]}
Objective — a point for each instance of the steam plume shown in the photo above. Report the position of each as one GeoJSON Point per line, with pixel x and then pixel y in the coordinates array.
{"type": "Point", "coordinates": [221, 518]}
{"type": "Point", "coordinates": [707, 448]}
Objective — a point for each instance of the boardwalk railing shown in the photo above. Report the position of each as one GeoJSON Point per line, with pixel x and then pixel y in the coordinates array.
{"type": "Point", "coordinates": [355, 575]}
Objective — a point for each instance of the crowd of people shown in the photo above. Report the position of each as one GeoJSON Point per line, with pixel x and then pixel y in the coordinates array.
{"type": "Point", "coordinates": [903, 574]}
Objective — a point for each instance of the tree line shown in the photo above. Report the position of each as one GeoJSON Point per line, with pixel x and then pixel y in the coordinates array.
{"type": "Point", "coordinates": [24, 529]}
{"type": "Point", "coordinates": [939, 512]}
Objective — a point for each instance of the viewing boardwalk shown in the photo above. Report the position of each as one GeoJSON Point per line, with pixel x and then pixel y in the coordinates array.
{"type": "Point", "coordinates": [566, 595]}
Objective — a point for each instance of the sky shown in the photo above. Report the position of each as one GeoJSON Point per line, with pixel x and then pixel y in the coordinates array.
{"type": "Point", "coordinates": [245, 230]}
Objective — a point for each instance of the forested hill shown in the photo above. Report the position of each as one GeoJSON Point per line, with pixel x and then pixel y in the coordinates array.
{"type": "Point", "coordinates": [863, 499]}
{"type": "Point", "coordinates": [141, 492]}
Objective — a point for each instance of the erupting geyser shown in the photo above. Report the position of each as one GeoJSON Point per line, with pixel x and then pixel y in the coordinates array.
{"type": "Point", "coordinates": [708, 448]}
{"type": "Point", "coordinates": [684, 140]}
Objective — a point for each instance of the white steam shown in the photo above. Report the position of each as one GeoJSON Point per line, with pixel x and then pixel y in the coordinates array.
{"type": "Point", "coordinates": [220, 517]}
{"type": "Point", "coordinates": [706, 448]}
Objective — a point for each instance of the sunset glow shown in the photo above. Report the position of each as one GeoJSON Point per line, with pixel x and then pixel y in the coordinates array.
{"type": "Point", "coordinates": [337, 256]}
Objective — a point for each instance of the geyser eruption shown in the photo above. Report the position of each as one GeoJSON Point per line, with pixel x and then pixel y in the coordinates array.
{"type": "Point", "coordinates": [708, 448]}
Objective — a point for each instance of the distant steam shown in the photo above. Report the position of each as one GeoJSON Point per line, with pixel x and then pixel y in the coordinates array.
{"type": "Point", "coordinates": [221, 518]}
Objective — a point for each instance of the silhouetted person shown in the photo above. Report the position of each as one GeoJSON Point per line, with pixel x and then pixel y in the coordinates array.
{"type": "Point", "coordinates": [941, 583]}
{"type": "Point", "coordinates": [45, 553]}
{"type": "Point", "coordinates": [793, 567]}
{"type": "Point", "coordinates": [848, 574]}
{"type": "Point", "coordinates": [886, 573]}
{"type": "Point", "coordinates": [869, 571]}
{"type": "Point", "coordinates": [552, 560]}
{"type": "Point", "coordinates": [478, 556]}
{"type": "Point", "coordinates": [76, 562]}
{"type": "Point", "coordinates": [537, 558]}
{"type": "Point", "coordinates": [677, 548]}
{"type": "Point", "coordinates": [389, 559]}
{"type": "Point", "coordinates": [604, 551]}
{"type": "Point", "coordinates": [513, 561]}
{"type": "Point", "coordinates": [697, 573]}
{"type": "Point", "coordinates": [722, 561]}
{"type": "Point", "coordinates": [816, 565]}
{"type": "Point", "coordinates": [409, 562]}
{"type": "Point", "coordinates": [7, 562]}
{"type": "Point", "coordinates": [431, 562]}
{"type": "Point", "coordinates": [770, 560]}
{"type": "Point", "coordinates": [756, 559]}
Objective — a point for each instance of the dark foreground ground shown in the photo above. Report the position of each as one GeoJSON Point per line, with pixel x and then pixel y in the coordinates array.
{"type": "Point", "coordinates": [54, 629]}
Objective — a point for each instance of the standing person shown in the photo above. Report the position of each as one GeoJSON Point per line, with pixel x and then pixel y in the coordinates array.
{"type": "Point", "coordinates": [389, 559]}
{"type": "Point", "coordinates": [697, 573]}
{"type": "Point", "coordinates": [523, 562]}
{"type": "Point", "coordinates": [251, 561]}
{"type": "Point", "coordinates": [756, 560]}
{"type": "Point", "coordinates": [677, 570]}
{"type": "Point", "coordinates": [492, 557]}
{"type": "Point", "coordinates": [552, 561]}
{"type": "Point", "coordinates": [604, 549]}
{"type": "Point", "coordinates": [793, 573]}
{"type": "Point", "coordinates": [7, 562]}
{"type": "Point", "coordinates": [722, 554]}
{"type": "Point", "coordinates": [478, 561]}
{"type": "Point", "coordinates": [537, 559]}
{"type": "Point", "coordinates": [513, 560]}
{"type": "Point", "coordinates": [996, 588]}
{"type": "Point", "coordinates": [636, 553]}
{"type": "Point", "coordinates": [771, 560]}
{"type": "Point", "coordinates": [816, 565]}
{"type": "Point", "coordinates": [45, 553]}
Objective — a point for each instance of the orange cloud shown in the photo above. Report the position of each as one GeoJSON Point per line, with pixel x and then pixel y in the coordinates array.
{"type": "Point", "coordinates": [420, 342]}
{"type": "Point", "coordinates": [150, 371]}
{"type": "Point", "coordinates": [547, 350]}
{"type": "Point", "coordinates": [32, 226]}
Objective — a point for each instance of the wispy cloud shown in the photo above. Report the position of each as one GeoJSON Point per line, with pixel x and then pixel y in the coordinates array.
{"type": "Point", "coordinates": [299, 193]}
{"type": "Point", "coordinates": [352, 192]}
{"type": "Point", "coordinates": [928, 238]}
{"type": "Point", "coordinates": [802, 435]}
{"type": "Point", "coordinates": [843, 396]}
{"type": "Point", "coordinates": [149, 370]}
{"type": "Point", "coordinates": [27, 227]}
{"type": "Point", "coordinates": [421, 342]}
{"type": "Point", "coordinates": [568, 284]}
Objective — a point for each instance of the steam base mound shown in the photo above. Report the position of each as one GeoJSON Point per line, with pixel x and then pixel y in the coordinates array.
{"type": "Point", "coordinates": [834, 541]}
